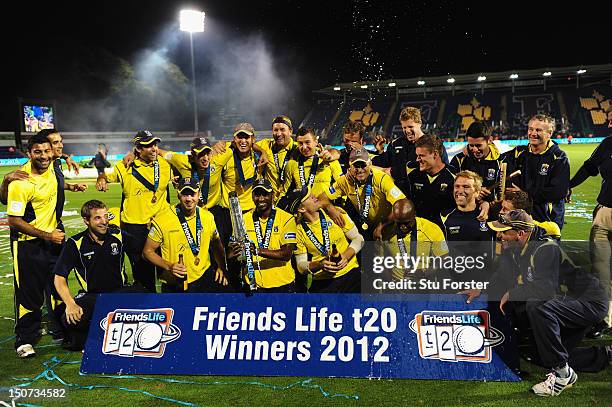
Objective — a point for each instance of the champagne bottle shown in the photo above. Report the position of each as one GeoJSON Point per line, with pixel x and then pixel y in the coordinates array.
{"type": "Point", "coordinates": [183, 279]}
{"type": "Point", "coordinates": [335, 257]}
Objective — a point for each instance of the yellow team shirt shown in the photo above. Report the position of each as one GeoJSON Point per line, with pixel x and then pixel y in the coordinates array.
{"type": "Point", "coordinates": [231, 178]}
{"type": "Point", "coordinates": [326, 173]}
{"type": "Point", "coordinates": [34, 199]}
{"type": "Point", "coordinates": [430, 242]}
{"type": "Point", "coordinates": [167, 231]}
{"type": "Point", "coordinates": [182, 164]}
{"type": "Point", "coordinates": [384, 195]}
{"type": "Point", "coordinates": [137, 205]}
{"type": "Point", "coordinates": [337, 235]}
{"type": "Point", "coordinates": [273, 273]}
{"type": "Point", "coordinates": [273, 170]}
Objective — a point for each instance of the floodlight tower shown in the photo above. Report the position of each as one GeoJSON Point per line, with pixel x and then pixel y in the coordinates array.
{"type": "Point", "coordinates": [192, 21]}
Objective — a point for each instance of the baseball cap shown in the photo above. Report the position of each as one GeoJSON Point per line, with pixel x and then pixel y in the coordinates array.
{"type": "Point", "coordinates": [144, 138]}
{"type": "Point", "coordinates": [188, 183]}
{"type": "Point", "coordinates": [199, 144]}
{"type": "Point", "coordinates": [517, 219]}
{"type": "Point", "coordinates": [246, 128]}
{"type": "Point", "coordinates": [263, 184]}
{"type": "Point", "coordinates": [284, 120]}
{"type": "Point", "coordinates": [359, 155]}
{"type": "Point", "coordinates": [293, 199]}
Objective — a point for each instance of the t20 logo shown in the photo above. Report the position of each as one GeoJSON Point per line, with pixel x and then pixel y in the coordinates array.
{"type": "Point", "coordinates": [455, 336]}
{"type": "Point", "coordinates": [130, 332]}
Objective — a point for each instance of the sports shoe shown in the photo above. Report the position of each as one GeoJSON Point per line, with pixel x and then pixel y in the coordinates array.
{"type": "Point", "coordinates": [26, 351]}
{"type": "Point", "coordinates": [554, 385]}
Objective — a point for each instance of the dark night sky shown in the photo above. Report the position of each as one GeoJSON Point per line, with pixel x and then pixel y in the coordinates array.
{"type": "Point", "coordinates": [321, 42]}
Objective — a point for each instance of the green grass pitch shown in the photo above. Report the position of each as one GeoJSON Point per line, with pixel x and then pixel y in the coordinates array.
{"type": "Point", "coordinates": [591, 389]}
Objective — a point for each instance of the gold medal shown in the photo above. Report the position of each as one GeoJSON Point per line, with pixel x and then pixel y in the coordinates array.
{"type": "Point", "coordinates": [154, 199]}
{"type": "Point", "coordinates": [364, 226]}
{"type": "Point", "coordinates": [197, 261]}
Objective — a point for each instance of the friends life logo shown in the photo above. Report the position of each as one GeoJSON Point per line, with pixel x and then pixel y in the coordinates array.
{"type": "Point", "coordinates": [455, 336]}
{"type": "Point", "coordinates": [143, 333]}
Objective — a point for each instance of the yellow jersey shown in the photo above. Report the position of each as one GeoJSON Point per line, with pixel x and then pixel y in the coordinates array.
{"type": "Point", "coordinates": [337, 236]}
{"type": "Point", "coordinates": [232, 179]}
{"type": "Point", "coordinates": [430, 242]}
{"type": "Point", "coordinates": [140, 204]}
{"type": "Point", "coordinates": [182, 164]}
{"type": "Point", "coordinates": [166, 230]}
{"type": "Point", "coordinates": [327, 172]}
{"type": "Point", "coordinates": [34, 199]}
{"type": "Point", "coordinates": [384, 195]}
{"type": "Point", "coordinates": [278, 162]}
{"type": "Point", "coordinates": [273, 273]}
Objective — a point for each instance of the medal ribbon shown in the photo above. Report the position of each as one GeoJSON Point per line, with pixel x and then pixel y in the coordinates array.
{"type": "Point", "coordinates": [204, 186]}
{"type": "Point", "coordinates": [368, 189]}
{"type": "Point", "coordinates": [238, 165]}
{"type": "Point", "coordinates": [281, 171]}
{"type": "Point", "coordinates": [269, 224]}
{"type": "Point", "coordinates": [323, 248]}
{"type": "Point", "coordinates": [143, 180]}
{"type": "Point", "coordinates": [413, 241]}
{"type": "Point", "coordinates": [313, 171]}
{"type": "Point", "coordinates": [193, 244]}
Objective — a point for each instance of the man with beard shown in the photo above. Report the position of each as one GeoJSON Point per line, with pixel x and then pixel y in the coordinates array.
{"type": "Point", "coordinates": [481, 157]}
{"type": "Point", "coordinates": [401, 152]}
{"type": "Point", "coordinates": [35, 240]}
{"type": "Point", "coordinates": [317, 235]}
{"type": "Point", "coordinates": [601, 231]}
{"type": "Point", "coordinates": [273, 233]}
{"type": "Point", "coordinates": [187, 231]}
{"type": "Point", "coordinates": [544, 169]}
{"type": "Point", "coordinates": [281, 147]}
{"type": "Point", "coordinates": [352, 139]}
{"type": "Point", "coordinates": [96, 255]}
{"type": "Point", "coordinates": [470, 237]}
{"type": "Point", "coordinates": [430, 186]}
{"type": "Point", "coordinates": [311, 168]}
{"type": "Point", "coordinates": [370, 191]}
{"type": "Point", "coordinates": [145, 186]}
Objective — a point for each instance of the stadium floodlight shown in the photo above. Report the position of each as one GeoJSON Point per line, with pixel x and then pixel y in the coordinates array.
{"type": "Point", "coordinates": [364, 86]}
{"type": "Point", "coordinates": [581, 71]}
{"type": "Point", "coordinates": [192, 21]}
{"type": "Point", "coordinates": [514, 76]}
{"type": "Point", "coordinates": [450, 80]}
{"type": "Point", "coordinates": [421, 83]}
{"type": "Point", "coordinates": [391, 84]}
{"type": "Point", "coordinates": [482, 78]}
{"type": "Point", "coordinates": [547, 73]}
{"type": "Point", "coordinates": [336, 87]}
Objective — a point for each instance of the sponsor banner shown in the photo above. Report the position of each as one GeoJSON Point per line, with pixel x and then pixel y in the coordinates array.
{"type": "Point", "coordinates": [347, 335]}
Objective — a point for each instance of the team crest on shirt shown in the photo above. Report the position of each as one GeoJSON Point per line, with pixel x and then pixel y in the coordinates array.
{"type": "Point", "coordinates": [491, 174]}
{"type": "Point", "coordinates": [544, 169]}
{"type": "Point", "coordinates": [111, 216]}
{"type": "Point", "coordinates": [529, 274]}
{"type": "Point", "coordinates": [275, 229]}
{"type": "Point", "coordinates": [443, 187]}
{"type": "Point", "coordinates": [114, 249]}
{"type": "Point", "coordinates": [483, 226]}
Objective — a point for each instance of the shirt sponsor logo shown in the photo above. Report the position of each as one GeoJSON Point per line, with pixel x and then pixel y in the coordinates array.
{"type": "Point", "coordinates": [332, 190]}
{"type": "Point", "coordinates": [395, 192]}
{"type": "Point", "coordinates": [138, 332]}
{"type": "Point", "coordinates": [16, 207]}
{"type": "Point", "coordinates": [453, 230]}
{"type": "Point", "coordinates": [290, 235]}
{"type": "Point", "coordinates": [455, 336]}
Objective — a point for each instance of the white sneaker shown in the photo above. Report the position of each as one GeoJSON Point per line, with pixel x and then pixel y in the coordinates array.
{"type": "Point", "coordinates": [554, 385]}
{"type": "Point", "coordinates": [26, 351]}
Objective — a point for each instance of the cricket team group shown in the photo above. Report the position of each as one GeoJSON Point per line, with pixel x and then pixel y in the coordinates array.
{"type": "Point", "coordinates": [285, 214]}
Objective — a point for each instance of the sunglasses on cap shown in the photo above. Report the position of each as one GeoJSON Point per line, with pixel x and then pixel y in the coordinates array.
{"type": "Point", "coordinates": [359, 164]}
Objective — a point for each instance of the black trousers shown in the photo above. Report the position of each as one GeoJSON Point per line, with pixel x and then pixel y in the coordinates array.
{"type": "Point", "coordinates": [558, 327]}
{"type": "Point", "coordinates": [348, 283]}
{"type": "Point", "coordinates": [34, 261]}
{"type": "Point", "coordinates": [75, 335]}
{"type": "Point", "coordinates": [223, 222]}
{"type": "Point", "coordinates": [143, 272]}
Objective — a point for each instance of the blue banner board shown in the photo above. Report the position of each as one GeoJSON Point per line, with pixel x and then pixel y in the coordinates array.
{"type": "Point", "coordinates": [347, 335]}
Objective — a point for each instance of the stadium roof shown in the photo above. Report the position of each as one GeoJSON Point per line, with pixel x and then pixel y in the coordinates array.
{"type": "Point", "coordinates": [480, 80]}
